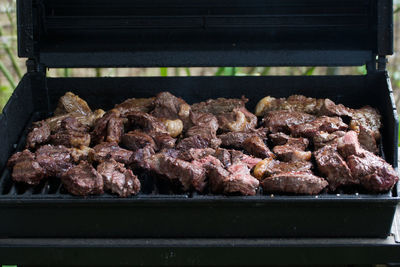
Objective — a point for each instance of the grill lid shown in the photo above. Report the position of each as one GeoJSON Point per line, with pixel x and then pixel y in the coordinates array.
{"type": "Point", "coordinates": [160, 33]}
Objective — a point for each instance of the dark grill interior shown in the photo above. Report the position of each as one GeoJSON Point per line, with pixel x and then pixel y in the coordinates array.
{"type": "Point", "coordinates": [100, 95]}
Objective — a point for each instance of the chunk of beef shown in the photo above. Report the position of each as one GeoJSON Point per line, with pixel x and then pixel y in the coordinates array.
{"type": "Point", "coordinates": [70, 138]}
{"type": "Point", "coordinates": [291, 153]}
{"type": "Point", "coordinates": [81, 153]}
{"type": "Point", "coordinates": [290, 148]}
{"type": "Point", "coordinates": [106, 150]}
{"type": "Point", "coordinates": [238, 120]}
{"type": "Point", "coordinates": [115, 129]}
{"type": "Point", "coordinates": [135, 105]}
{"type": "Point", "coordinates": [72, 124]}
{"type": "Point", "coordinates": [298, 103]}
{"type": "Point", "coordinates": [168, 106]}
{"type": "Point", "coordinates": [146, 122]}
{"type": "Point", "coordinates": [196, 141]}
{"type": "Point", "coordinates": [118, 179]}
{"type": "Point", "coordinates": [83, 180]}
{"type": "Point", "coordinates": [163, 140]}
{"type": "Point", "coordinates": [193, 153]}
{"type": "Point", "coordinates": [236, 139]}
{"type": "Point", "coordinates": [54, 159]}
{"type": "Point", "coordinates": [140, 159]}
{"type": "Point", "coordinates": [87, 120]}
{"type": "Point", "coordinates": [256, 147]}
{"type": "Point", "coordinates": [40, 134]}
{"type": "Point", "coordinates": [348, 145]}
{"type": "Point", "coordinates": [367, 139]}
{"type": "Point", "coordinates": [367, 117]}
{"type": "Point", "coordinates": [321, 139]}
{"type": "Point", "coordinates": [176, 170]}
{"type": "Point", "coordinates": [374, 173]}
{"type": "Point", "coordinates": [323, 123]}
{"type": "Point", "coordinates": [71, 103]}
{"type": "Point", "coordinates": [294, 182]}
{"type": "Point", "coordinates": [232, 114]}
{"type": "Point", "coordinates": [234, 180]}
{"type": "Point", "coordinates": [329, 108]}
{"type": "Point", "coordinates": [204, 120]}
{"type": "Point", "coordinates": [334, 168]}
{"type": "Point", "coordinates": [282, 120]}
{"type": "Point", "coordinates": [269, 166]}
{"type": "Point", "coordinates": [220, 105]}
{"type": "Point", "coordinates": [229, 157]}
{"type": "Point", "coordinates": [279, 139]}
{"type": "Point", "coordinates": [203, 133]}
{"type": "Point", "coordinates": [135, 140]}
{"type": "Point", "coordinates": [25, 168]}
{"type": "Point", "coordinates": [102, 125]}
{"type": "Point", "coordinates": [200, 182]}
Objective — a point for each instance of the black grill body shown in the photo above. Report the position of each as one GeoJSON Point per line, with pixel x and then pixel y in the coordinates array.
{"type": "Point", "coordinates": [59, 214]}
{"type": "Point", "coordinates": [45, 225]}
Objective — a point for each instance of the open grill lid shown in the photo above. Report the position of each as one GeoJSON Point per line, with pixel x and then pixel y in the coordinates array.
{"type": "Point", "coordinates": [160, 33]}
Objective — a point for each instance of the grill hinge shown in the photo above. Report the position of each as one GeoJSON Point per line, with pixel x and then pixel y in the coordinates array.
{"type": "Point", "coordinates": [32, 65]}
{"type": "Point", "coordinates": [377, 64]}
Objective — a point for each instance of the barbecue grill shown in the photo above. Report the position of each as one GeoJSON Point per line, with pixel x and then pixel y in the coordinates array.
{"type": "Point", "coordinates": [45, 224]}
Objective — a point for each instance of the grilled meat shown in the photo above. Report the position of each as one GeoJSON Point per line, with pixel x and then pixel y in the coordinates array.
{"type": "Point", "coordinates": [289, 153]}
{"type": "Point", "coordinates": [269, 166]}
{"type": "Point", "coordinates": [25, 168]}
{"type": "Point", "coordinates": [70, 138]}
{"type": "Point", "coordinates": [239, 120]}
{"type": "Point", "coordinates": [220, 105]}
{"type": "Point", "coordinates": [321, 139]}
{"type": "Point", "coordinates": [83, 153]}
{"type": "Point", "coordinates": [229, 157]}
{"type": "Point", "coordinates": [367, 140]}
{"type": "Point", "coordinates": [135, 105]}
{"type": "Point", "coordinates": [108, 128]}
{"type": "Point", "coordinates": [300, 103]}
{"type": "Point", "coordinates": [375, 174]}
{"type": "Point", "coordinates": [135, 140]}
{"type": "Point", "coordinates": [367, 117]}
{"type": "Point", "coordinates": [179, 144]}
{"type": "Point", "coordinates": [236, 139]}
{"type": "Point", "coordinates": [334, 167]}
{"type": "Point", "coordinates": [323, 123]}
{"type": "Point", "coordinates": [348, 145]}
{"type": "Point", "coordinates": [71, 103]}
{"type": "Point", "coordinates": [106, 150]}
{"type": "Point", "coordinates": [140, 159]}
{"type": "Point", "coordinates": [176, 170]}
{"type": "Point", "coordinates": [200, 182]}
{"type": "Point", "coordinates": [146, 122]}
{"type": "Point", "coordinates": [83, 180]}
{"type": "Point", "coordinates": [282, 120]}
{"type": "Point", "coordinates": [54, 159]}
{"type": "Point", "coordinates": [329, 108]}
{"type": "Point", "coordinates": [255, 146]}
{"type": "Point", "coordinates": [204, 120]}
{"type": "Point", "coordinates": [294, 182]}
{"type": "Point", "coordinates": [170, 107]}
{"type": "Point", "coordinates": [40, 134]}
{"type": "Point", "coordinates": [192, 153]}
{"type": "Point", "coordinates": [236, 179]}
{"type": "Point", "coordinates": [118, 179]}
{"type": "Point", "coordinates": [232, 114]}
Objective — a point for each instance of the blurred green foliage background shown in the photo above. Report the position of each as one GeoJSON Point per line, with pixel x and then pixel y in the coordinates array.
{"type": "Point", "coordinates": [12, 68]}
